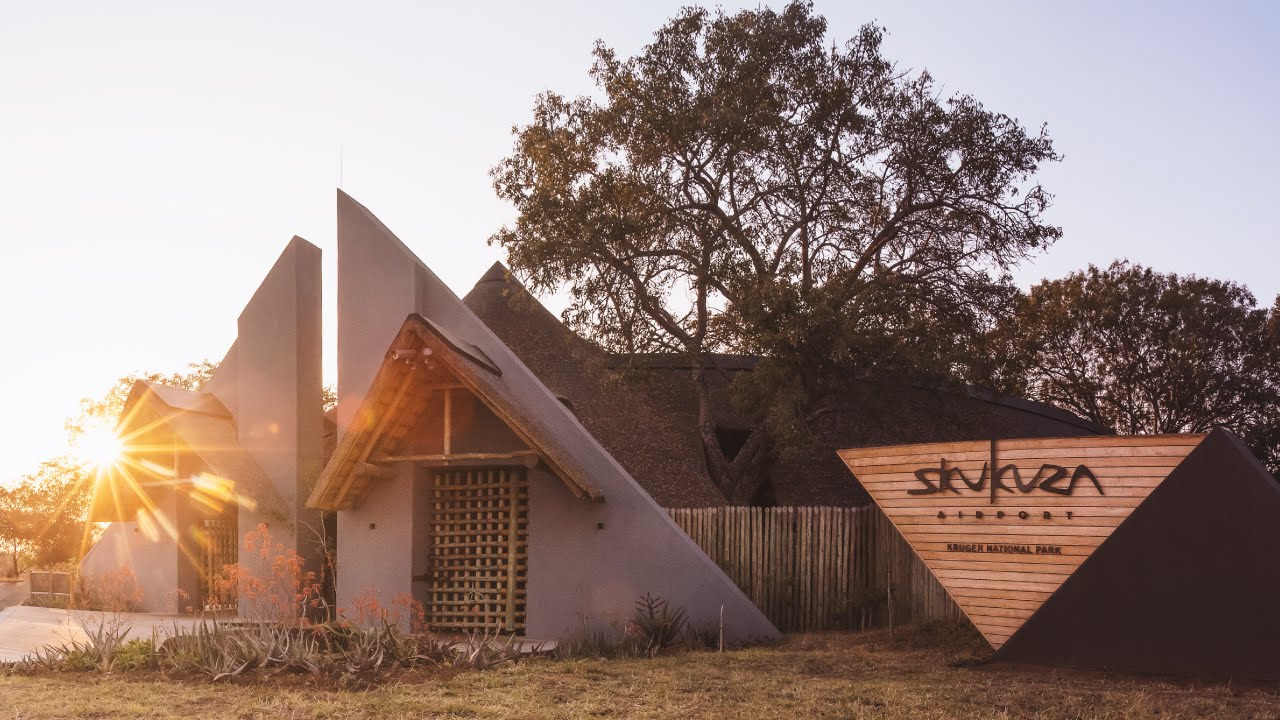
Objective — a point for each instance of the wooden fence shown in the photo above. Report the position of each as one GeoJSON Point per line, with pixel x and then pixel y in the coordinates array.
{"type": "Point", "coordinates": [51, 588]}
{"type": "Point", "coordinates": [818, 568]}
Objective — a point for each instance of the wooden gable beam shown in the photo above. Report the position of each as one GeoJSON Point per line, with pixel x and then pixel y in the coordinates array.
{"type": "Point", "coordinates": [523, 458]}
{"type": "Point", "coordinates": [371, 440]}
{"type": "Point", "coordinates": [349, 473]}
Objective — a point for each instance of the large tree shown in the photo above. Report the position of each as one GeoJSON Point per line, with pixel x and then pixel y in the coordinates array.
{"type": "Point", "coordinates": [1145, 352]}
{"type": "Point", "coordinates": [742, 185]}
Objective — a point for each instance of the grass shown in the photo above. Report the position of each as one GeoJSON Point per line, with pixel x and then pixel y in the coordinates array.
{"type": "Point", "coordinates": [926, 673]}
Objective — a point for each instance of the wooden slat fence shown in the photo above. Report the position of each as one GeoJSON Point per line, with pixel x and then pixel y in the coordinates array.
{"type": "Point", "coordinates": [51, 588]}
{"type": "Point", "coordinates": [819, 568]}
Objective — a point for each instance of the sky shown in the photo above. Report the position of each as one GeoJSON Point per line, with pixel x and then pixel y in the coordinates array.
{"type": "Point", "coordinates": [155, 158]}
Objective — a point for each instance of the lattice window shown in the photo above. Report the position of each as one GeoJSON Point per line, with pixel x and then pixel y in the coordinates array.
{"type": "Point", "coordinates": [479, 551]}
{"type": "Point", "coordinates": [218, 538]}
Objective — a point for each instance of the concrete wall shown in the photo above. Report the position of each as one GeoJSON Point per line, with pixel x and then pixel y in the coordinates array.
{"type": "Point", "coordinates": [420, 537]}
{"type": "Point", "coordinates": [385, 542]}
{"type": "Point", "coordinates": [582, 574]}
{"type": "Point", "coordinates": [278, 406]}
{"type": "Point", "coordinates": [376, 290]}
{"type": "Point", "coordinates": [375, 551]}
{"type": "Point", "coordinates": [154, 559]}
{"type": "Point", "coordinates": [576, 570]}
{"type": "Point", "coordinates": [270, 379]}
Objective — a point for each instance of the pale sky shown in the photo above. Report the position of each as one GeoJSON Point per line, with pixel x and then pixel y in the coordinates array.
{"type": "Point", "coordinates": [156, 157]}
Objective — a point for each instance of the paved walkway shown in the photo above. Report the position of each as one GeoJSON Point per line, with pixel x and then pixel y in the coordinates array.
{"type": "Point", "coordinates": [13, 592]}
{"type": "Point", "coordinates": [23, 629]}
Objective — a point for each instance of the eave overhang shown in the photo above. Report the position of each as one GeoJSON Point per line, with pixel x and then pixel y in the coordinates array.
{"type": "Point", "coordinates": [425, 357]}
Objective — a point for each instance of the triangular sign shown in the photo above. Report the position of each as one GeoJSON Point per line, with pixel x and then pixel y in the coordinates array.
{"type": "Point", "coordinates": [1002, 524]}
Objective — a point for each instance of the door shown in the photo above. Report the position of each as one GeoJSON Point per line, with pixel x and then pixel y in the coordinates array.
{"type": "Point", "coordinates": [218, 538]}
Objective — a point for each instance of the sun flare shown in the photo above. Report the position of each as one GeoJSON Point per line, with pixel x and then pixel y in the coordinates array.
{"type": "Point", "coordinates": [99, 446]}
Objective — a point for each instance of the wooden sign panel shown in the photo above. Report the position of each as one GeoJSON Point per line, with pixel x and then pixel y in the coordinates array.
{"type": "Point", "coordinates": [1003, 523]}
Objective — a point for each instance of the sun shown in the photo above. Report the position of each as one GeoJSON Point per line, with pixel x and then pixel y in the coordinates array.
{"type": "Point", "coordinates": [99, 446]}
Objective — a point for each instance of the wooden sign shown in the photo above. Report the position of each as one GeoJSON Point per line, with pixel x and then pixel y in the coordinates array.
{"type": "Point", "coordinates": [1003, 523]}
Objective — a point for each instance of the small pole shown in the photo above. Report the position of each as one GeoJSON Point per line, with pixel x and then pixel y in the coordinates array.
{"type": "Point", "coordinates": [888, 594]}
{"type": "Point", "coordinates": [721, 629]}
{"type": "Point", "coordinates": [448, 422]}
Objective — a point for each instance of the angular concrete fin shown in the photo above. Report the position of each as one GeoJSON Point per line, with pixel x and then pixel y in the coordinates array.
{"type": "Point", "coordinates": [381, 282]}
{"type": "Point", "coordinates": [377, 289]}
{"type": "Point", "coordinates": [279, 411]}
{"type": "Point", "coordinates": [1186, 585]}
{"type": "Point", "coordinates": [587, 555]}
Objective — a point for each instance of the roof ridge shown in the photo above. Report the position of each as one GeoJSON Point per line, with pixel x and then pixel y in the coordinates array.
{"type": "Point", "coordinates": [184, 399]}
{"type": "Point", "coordinates": [497, 272]}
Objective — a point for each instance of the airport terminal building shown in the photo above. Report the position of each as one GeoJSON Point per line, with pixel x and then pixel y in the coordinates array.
{"type": "Point", "coordinates": [481, 458]}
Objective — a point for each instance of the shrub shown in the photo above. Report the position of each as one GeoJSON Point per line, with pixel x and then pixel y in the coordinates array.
{"type": "Point", "coordinates": [367, 611]}
{"type": "Point", "coordinates": [222, 650]}
{"type": "Point", "coordinates": [654, 625]}
{"type": "Point", "coordinates": [136, 654]}
{"type": "Point", "coordinates": [299, 651]}
{"type": "Point", "coordinates": [115, 591]}
{"type": "Point", "coordinates": [97, 651]}
{"type": "Point", "coordinates": [276, 587]}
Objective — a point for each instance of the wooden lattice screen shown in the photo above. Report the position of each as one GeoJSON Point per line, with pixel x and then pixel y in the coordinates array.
{"type": "Point", "coordinates": [220, 549]}
{"type": "Point", "coordinates": [479, 551]}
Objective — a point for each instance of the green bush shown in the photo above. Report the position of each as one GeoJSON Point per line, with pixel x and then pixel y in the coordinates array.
{"type": "Point", "coordinates": [136, 654]}
{"type": "Point", "coordinates": [654, 625]}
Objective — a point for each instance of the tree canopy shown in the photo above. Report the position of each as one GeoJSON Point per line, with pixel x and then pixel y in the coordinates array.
{"type": "Point", "coordinates": [743, 185]}
{"type": "Point", "coordinates": [1145, 352]}
{"type": "Point", "coordinates": [42, 518]}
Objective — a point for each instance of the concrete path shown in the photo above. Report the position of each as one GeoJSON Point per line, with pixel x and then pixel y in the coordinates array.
{"type": "Point", "coordinates": [24, 630]}
{"type": "Point", "coordinates": [13, 592]}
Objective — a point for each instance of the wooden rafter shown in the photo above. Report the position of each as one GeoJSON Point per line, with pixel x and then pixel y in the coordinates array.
{"type": "Point", "coordinates": [394, 400]}
{"type": "Point", "coordinates": [376, 434]}
{"type": "Point", "coordinates": [525, 458]}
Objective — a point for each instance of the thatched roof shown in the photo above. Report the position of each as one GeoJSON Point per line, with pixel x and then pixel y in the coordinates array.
{"type": "Point", "coordinates": [644, 408]}
{"type": "Point", "coordinates": [662, 455]}
{"type": "Point", "coordinates": [203, 426]}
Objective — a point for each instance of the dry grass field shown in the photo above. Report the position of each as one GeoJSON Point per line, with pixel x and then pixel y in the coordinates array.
{"type": "Point", "coordinates": [923, 674]}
